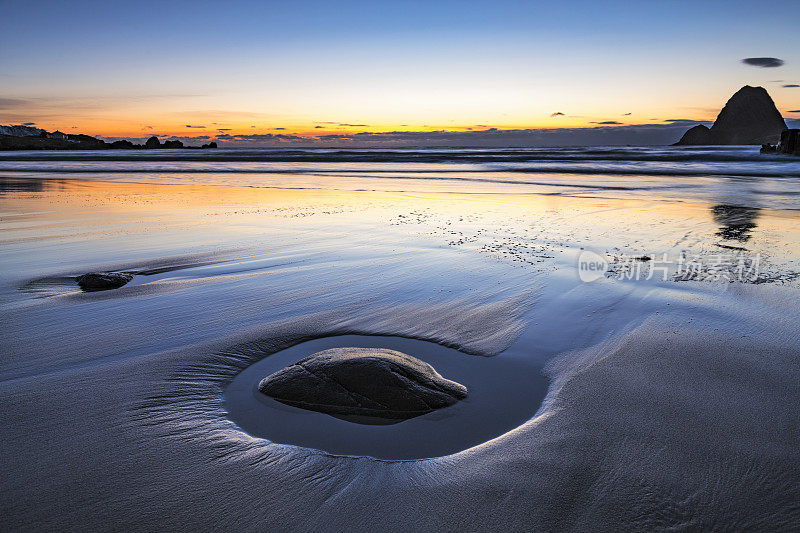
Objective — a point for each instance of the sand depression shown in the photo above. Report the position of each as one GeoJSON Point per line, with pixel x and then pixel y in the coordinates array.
{"type": "Point", "coordinates": [445, 421]}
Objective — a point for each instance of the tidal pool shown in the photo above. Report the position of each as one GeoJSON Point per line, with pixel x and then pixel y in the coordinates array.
{"type": "Point", "coordinates": [504, 392]}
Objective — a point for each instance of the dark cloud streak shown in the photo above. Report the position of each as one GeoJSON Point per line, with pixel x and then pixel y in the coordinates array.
{"type": "Point", "coordinates": [763, 62]}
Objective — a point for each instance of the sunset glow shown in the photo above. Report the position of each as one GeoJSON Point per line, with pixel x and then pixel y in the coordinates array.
{"type": "Point", "coordinates": [345, 69]}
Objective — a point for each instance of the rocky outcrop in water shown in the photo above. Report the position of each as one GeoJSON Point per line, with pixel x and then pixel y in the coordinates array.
{"type": "Point", "coordinates": [103, 281]}
{"type": "Point", "coordinates": [370, 382]}
{"type": "Point", "coordinates": [152, 142]}
{"type": "Point", "coordinates": [122, 145]}
{"type": "Point", "coordinates": [749, 117]}
{"type": "Point", "coordinates": [788, 145]}
{"type": "Point", "coordinates": [790, 142]}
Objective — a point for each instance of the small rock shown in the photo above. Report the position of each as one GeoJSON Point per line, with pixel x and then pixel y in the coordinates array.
{"type": "Point", "coordinates": [102, 281]}
{"type": "Point", "coordinates": [369, 382]}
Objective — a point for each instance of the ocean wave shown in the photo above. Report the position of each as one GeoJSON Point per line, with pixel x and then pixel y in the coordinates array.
{"type": "Point", "coordinates": [432, 173]}
{"type": "Point", "coordinates": [443, 156]}
{"type": "Point", "coordinates": [648, 161]}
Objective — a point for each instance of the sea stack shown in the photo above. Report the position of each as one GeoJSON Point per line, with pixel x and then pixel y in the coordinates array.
{"type": "Point", "coordinates": [367, 382]}
{"type": "Point", "coordinates": [749, 117]}
{"type": "Point", "coordinates": [790, 142]}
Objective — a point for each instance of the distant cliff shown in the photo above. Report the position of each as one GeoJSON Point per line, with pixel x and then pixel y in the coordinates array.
{"type": "Point", "coordinates": [749, 117]}
{"type": "Point", "coordinates": [20, 131]}
{"type": "Point", "coordinates": [29, 138]}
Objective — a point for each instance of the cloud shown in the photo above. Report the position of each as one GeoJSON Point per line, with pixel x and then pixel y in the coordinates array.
{"type": "Point", "coordinates": [640, 134]}
{"type": "Point", "coordinates": [763, 62]}
{"type": "Point", "coordinates": [148, 128]}
{"type": "Point", "coordinates": [32, 124]}
{"type": "Point", "coordinates": [794, 111]}
{"type": "Point", "coordinates": [607, 123]}
{"type": "Point", "coordinates": [190, 126]}
{"type": "Point", "coordinates": [682, 121]}
{"type": "Point", "coordinates": [557, 114]}
{"type": "Point", "coordinates": [317, 127]}
{"type": "Point", "coordinates": [256, 137]}
{"type": "Point", "coordinates": [10, 103]}
{"type": "Point", "coordinates": [224, 129]}
{"type": "Point", "coordinates": [598, 135]}
{"type": "Point", "coordinates": [625, 114]}
{"type": "Point", "coordinates": [278, 128]}
{"type": "Point", "coordinates": [791, 85]}
{"type": "Point", "coordinates": [355, 125]}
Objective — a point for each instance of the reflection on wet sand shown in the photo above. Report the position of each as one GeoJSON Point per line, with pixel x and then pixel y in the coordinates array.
{"type": "Point", "coordinates": [737, 222]}
{"type": "Point", "coordinates": [20, 185]}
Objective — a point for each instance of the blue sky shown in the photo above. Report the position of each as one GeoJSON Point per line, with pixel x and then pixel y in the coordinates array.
{"type": "Point", "coordinates": [306, 68]}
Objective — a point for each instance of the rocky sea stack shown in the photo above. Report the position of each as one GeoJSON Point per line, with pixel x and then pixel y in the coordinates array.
{"type": "Point", "coordinates": [749, 117]}
{"type": "Point", "coordinates": [368, 382]}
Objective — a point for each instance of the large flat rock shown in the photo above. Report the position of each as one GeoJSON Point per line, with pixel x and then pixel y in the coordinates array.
{"type": "Point", "coordinates": [371, 382]}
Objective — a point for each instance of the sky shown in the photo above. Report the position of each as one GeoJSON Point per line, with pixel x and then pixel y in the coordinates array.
{"type": "Point", "coordinates": [401, 72]}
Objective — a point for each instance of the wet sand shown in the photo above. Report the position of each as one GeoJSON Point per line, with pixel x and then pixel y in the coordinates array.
{"type": "Point", "coordinates": [651, 402]}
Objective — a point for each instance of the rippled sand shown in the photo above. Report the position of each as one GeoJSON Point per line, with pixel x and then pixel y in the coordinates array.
{"type": "Point", "coordinates": [656, 403]}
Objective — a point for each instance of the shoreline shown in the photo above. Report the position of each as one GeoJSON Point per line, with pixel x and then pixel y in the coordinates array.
{"type": "Point", "coordinates": [228, 274]}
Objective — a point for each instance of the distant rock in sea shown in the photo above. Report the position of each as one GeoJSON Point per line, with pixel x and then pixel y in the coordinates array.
{"type": "Point", "coordinates": [699, 134]}
{"type": "Point", "coordinates": [749, 117]}
{"type": "Point", "coordinates": [172, 144]}
{"type": "Point", "coordinates": [790, 142]}
{"type": "Point", "coordinates": [152, 142]}
{"type": "Point", "coordinates": [123, 144]}
{"type": "Point", "coordinates": [103, 281]}
{"type": "Point", "coordinates": [369, 382]}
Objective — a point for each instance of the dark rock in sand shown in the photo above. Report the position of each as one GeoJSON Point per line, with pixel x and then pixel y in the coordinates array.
{"type": "Point", "coordinates": [370, 382]}
{"type": "Point", "coordinates": [749, 117]}
{"type": "Point", "coordinates": [102, 281]}
{"type": "Point", "coordinates": [152, 142]}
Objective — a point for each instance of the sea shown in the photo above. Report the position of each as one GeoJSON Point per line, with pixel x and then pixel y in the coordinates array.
{"type": "Point", "coordinates": [670, 172]}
